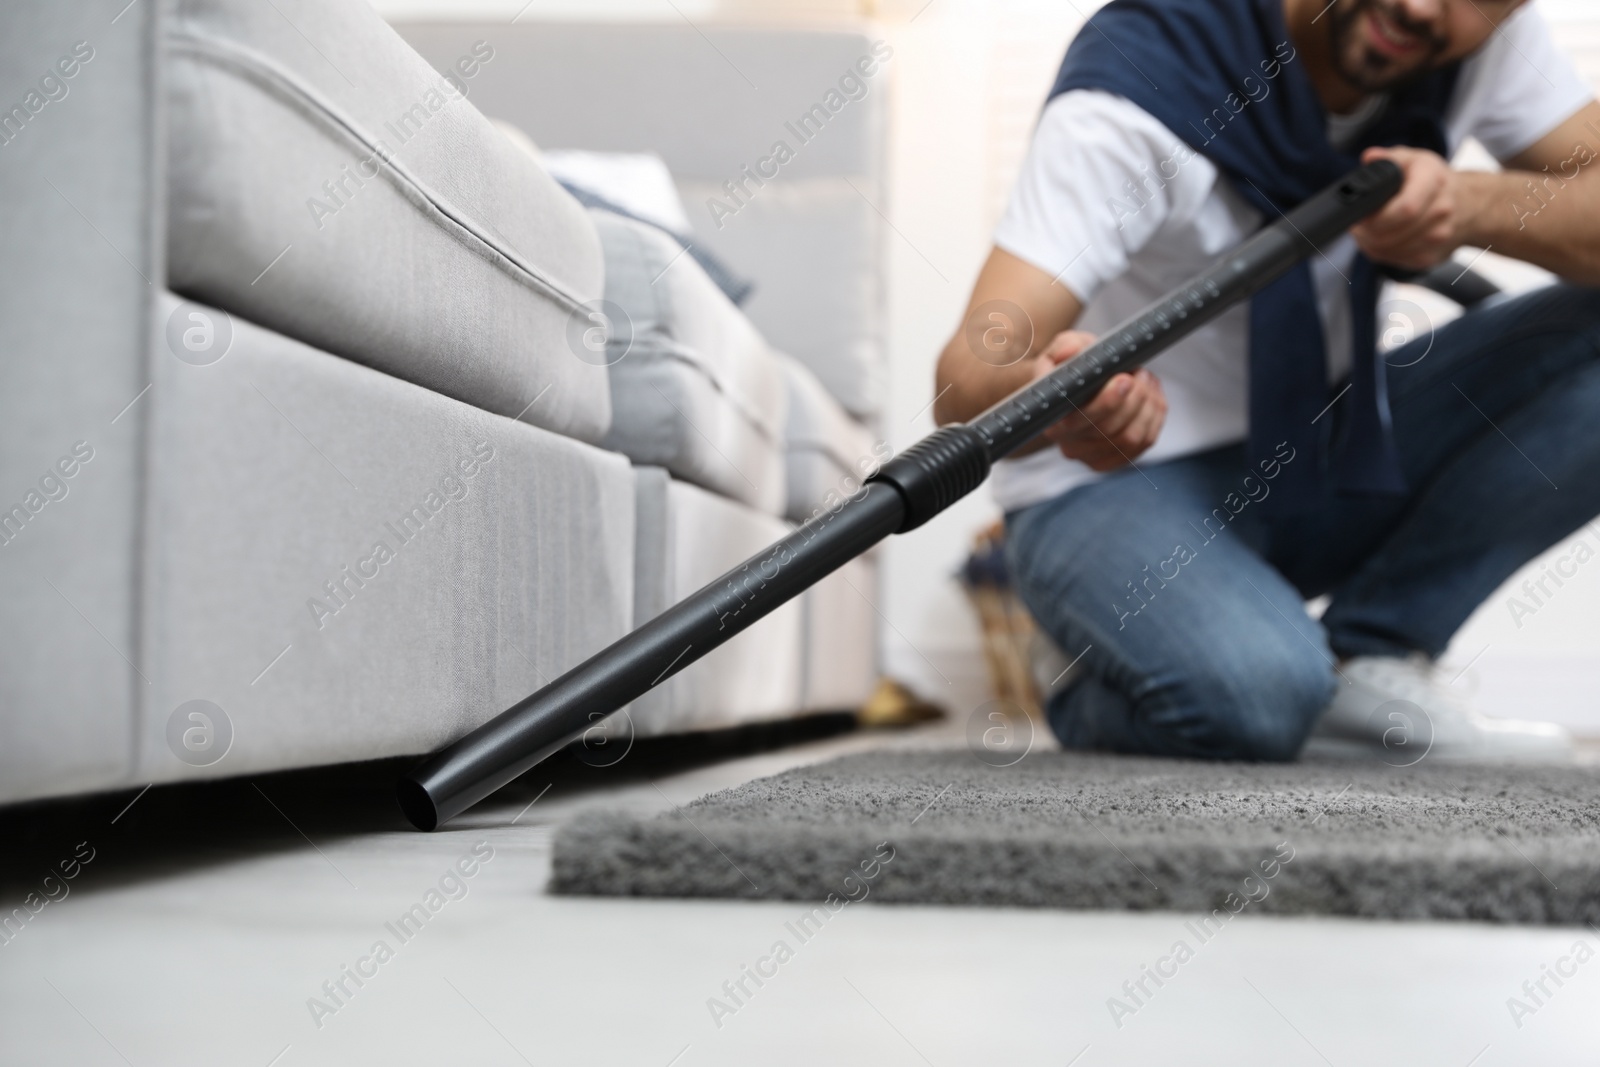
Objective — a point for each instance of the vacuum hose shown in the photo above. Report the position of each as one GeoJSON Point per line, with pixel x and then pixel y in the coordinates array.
{"type": "Point", "coordinates": [906, 492]}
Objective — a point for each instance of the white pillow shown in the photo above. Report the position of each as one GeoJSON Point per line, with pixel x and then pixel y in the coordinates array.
{"type": "Point", "coordinates": [638, 182]}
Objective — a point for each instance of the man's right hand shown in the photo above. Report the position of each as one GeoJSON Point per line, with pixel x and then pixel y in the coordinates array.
{"type": "Point", "coordinates": [1118, 425]}
{"type": "Point", "coordinates": [977, 367]}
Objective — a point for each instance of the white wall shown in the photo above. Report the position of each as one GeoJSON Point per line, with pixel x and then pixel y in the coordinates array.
{"type": "Point", "coordinates": [970, 79]}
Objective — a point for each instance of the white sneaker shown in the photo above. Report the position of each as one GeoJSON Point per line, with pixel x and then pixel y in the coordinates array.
{"type": "Point", "coordinates": [1400, 709]}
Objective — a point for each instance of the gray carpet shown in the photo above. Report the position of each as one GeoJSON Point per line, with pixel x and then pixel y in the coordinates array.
{"type": "Point", "coordinates": [1087, 831]}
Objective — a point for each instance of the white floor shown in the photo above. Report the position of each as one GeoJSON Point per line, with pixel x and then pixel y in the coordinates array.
{"type": "Point", "coordinates": [214, 962]}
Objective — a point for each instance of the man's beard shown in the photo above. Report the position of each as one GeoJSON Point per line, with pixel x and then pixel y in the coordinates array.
{"type": "Point", "coordinates": [1365, 67]}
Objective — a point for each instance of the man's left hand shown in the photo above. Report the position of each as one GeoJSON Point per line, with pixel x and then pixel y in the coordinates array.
{"type": "Point", "coordinates": [1422, 225]}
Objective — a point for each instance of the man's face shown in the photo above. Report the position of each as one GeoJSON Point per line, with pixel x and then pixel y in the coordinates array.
{"type": "Point", "coordinates": [1379, 44]}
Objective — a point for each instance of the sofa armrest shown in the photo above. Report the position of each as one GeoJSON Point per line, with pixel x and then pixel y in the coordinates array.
{"type": "Point", "coordinates": [81, 261]}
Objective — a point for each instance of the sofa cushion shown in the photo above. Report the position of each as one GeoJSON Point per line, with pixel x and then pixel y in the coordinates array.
{"type": "Point", "coordinates": [694, 388]}
{"type": "Point", "coordinates": [327, 183]}
{"type": "Point", "coordinates": [687, 538]}
{"type": "Point", "coordinates": [827, 454]}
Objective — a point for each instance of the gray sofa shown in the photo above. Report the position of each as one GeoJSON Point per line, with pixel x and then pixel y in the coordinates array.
{"type": "Point", "coordinates": [301, 463]}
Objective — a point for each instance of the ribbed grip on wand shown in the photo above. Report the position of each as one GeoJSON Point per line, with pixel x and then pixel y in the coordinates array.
{"type": "Point", "coordinates": [936, 472]}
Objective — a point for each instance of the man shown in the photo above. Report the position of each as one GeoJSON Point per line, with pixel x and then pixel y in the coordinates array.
{"type": "Point", "coordinates": [1172, 531]}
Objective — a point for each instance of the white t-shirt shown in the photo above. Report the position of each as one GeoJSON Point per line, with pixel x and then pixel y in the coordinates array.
{"type": "Point", "coordinates": [1073, 214]}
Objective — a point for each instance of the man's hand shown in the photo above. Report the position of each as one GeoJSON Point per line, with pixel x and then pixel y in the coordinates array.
{"type": "Point", "coordinates": [1118, 425]}
{"type": "Point", "coordinates": [1424, 223]}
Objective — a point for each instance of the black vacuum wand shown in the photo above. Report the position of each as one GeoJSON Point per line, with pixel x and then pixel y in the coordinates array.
{"type": "Point", "coordinates": [906, 492]}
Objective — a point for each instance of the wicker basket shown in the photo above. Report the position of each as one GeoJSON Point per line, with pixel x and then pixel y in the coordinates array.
{"type": "Point", "coordinates": [1009, 632]}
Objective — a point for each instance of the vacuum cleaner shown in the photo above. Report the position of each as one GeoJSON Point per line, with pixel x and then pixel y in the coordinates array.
{"type": "Point", "coordinates": [904, 493]}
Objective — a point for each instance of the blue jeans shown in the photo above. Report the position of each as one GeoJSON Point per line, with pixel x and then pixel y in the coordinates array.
{"type": "Point", "coordinates": [1191, 600]}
